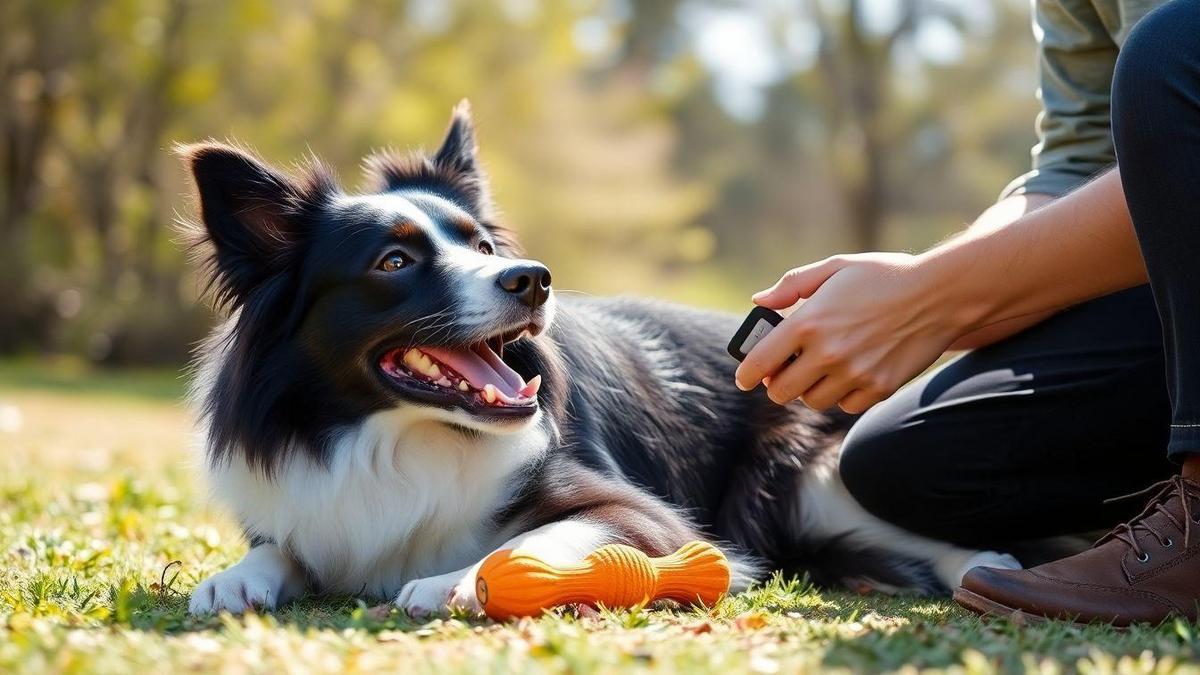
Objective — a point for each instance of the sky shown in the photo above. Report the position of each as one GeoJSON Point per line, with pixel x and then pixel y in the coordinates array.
{"type": "Point", "coordinates": [750, 45]}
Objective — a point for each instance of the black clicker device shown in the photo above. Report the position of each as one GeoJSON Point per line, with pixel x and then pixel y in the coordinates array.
{"type": "Point", "coordinates": [758, 323]}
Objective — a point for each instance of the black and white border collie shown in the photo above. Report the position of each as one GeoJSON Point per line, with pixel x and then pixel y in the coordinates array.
{"type": "Point", "coordinates": [397, 393]}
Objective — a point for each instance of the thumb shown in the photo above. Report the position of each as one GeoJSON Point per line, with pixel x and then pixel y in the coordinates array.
{"type": "Point", "coordinates": [798, 283]}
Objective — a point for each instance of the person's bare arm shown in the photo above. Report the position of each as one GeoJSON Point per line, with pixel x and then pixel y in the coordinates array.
{"type": "Point", "coordinates": [1073, 249]}
{"type": "Point", "coordinates": [875, 320]}
{"type": "Point", "coordinates": [1002, 213]}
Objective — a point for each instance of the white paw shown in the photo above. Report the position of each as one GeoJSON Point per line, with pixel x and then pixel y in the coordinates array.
{"type": "Point", "coordinates": [435, 596]}
{"type": "Point", "coordinates": [1002, 561]}
{"type": "Point", "coordinates": [235, 590]}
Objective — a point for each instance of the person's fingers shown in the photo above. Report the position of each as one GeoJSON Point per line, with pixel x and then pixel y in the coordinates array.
{"type": "Point", "coordinates": [770, 354]}
{"type": "Point", "coordinates": [826, 392]}
{"type": "Point", "coordinates": [788, 384]}
{"type": "Point", "coordinates": [859, 401]}
{"type": "Point", "coordinates": [798, 283]}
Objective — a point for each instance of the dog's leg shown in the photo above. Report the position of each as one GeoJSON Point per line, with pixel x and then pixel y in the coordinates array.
{"type": "Point", "coordinates": [826, 510]}
{"type": "Point", "coordinates": [567, 518]}
{"type": "Point", "coordinates": [560, 543]}
{"type": "Point", "coordinates": [265, 578]}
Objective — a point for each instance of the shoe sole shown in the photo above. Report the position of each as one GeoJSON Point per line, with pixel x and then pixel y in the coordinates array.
{"type": "Point", "coordinates": [988, 607]}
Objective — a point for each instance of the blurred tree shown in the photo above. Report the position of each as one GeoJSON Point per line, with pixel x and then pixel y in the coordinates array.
{"type": "Point", "coordinates": [687, 148]}
{"type": "Point", "coordinates": [853, 68]}
{"type": "Point", "coordinates": [33, 70]}
{"type": "Point", "coordinates": [886, 123]}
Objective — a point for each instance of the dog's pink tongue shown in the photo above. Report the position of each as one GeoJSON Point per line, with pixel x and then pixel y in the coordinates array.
{"type": "Point", "coordinates": [481, 366]}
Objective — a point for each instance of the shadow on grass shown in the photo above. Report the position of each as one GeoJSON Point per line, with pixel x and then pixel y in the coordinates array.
{"type": "Point", "coordinates": [1001, 645]}
{"type": "Point", "coordinates": [869, 633]}
{"type": "Point", "coordinates": [155, 610]}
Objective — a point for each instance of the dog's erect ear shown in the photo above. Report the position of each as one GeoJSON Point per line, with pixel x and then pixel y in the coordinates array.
{"type": "Point", "coordinates": [459, 149]}
{"type": "Point", "coordinates": [453, 171]}
{"type": "Point", "coordinates": [252, 214]}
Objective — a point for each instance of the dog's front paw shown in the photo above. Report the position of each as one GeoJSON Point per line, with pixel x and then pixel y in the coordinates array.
{"type": "Point", "coordinates": [234, 590]}
{"type": "Point", "coordinates": [1002, 561]}
{"type": "Point", "coordinates": [436, 596]}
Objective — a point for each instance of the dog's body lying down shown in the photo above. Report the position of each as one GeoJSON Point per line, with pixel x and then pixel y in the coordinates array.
{"type": "Point", "coordinates": [396, 395]}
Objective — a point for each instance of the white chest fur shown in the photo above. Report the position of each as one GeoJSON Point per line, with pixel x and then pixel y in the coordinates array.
{"type": "Point", "coordinates": [403, 497]}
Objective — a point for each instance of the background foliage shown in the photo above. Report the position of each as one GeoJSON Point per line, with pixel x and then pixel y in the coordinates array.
{"type": "Point", "coordinates": [691, 149]}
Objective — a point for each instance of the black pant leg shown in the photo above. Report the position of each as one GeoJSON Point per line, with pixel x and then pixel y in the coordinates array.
{"type": "Point", "coordinates": [1156, 129]}
{"type": "Point", "coordinates": [1025, 438]}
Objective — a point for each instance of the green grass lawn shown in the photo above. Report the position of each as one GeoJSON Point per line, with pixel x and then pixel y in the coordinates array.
{"type": "Point", "coordinates": [104, 531]}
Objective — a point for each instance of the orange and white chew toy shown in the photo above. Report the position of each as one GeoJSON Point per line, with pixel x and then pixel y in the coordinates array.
{"type": "Point", "coordinates": [511, 585]}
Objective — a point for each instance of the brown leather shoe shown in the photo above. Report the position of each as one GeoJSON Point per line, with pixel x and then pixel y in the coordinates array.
{"type": "Point", "coordinates": [1145, 570]}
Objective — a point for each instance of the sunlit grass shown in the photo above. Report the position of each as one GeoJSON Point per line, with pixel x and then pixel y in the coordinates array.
{"type": "Point", "coordinates": [104, 531]}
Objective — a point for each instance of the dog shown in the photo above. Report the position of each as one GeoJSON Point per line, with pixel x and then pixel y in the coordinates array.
{"type": "Point", "coordinates": [396, 393]}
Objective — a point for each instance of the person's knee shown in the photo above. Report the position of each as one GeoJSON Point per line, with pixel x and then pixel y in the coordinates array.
{"type": "Point", "coordinates": [875, 459]}
{"type": "Point", "coordinates": [899, 474]}
{"type": "Point", "coordinates": [1161, 53]}
{"type": "Point", "coordinates": [904, 473]}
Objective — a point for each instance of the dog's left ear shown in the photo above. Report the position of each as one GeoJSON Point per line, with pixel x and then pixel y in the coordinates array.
{"type": "Point", "coordinates": [254, 216]}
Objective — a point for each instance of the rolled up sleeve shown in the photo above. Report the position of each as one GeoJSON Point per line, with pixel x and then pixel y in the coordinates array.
{"type": "Point", "coordinates": [1076, 60]}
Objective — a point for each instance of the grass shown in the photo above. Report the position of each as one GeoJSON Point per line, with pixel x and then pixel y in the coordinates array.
{"type": "Point", "coordinates": [104, 531]}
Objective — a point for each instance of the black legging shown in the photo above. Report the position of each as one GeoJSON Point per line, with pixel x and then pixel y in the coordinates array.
{"type": "Point", "coordinates": [1028, 437]}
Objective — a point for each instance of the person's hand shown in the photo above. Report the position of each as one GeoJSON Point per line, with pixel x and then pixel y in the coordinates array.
{"type": "Point", "coordinates": [871, 323]}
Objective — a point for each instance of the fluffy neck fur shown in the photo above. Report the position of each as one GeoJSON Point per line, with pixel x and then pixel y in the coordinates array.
{"type": "Point", "coordinates": [402, 497]}
{"type": "Point", "coordinates": [402, 494]}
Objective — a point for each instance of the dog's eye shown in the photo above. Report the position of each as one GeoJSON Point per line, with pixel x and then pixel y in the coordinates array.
{"type": "Point", "coordinates": [485, 248]}
{"type": "Point", "coordinates": [392, 262]}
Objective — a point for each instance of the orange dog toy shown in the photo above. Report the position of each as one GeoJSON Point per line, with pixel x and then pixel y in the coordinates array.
{"type": "Point", "coordinates": [510, 585]}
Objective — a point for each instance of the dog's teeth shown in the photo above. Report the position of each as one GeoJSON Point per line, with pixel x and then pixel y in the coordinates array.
{"type": "Point", "coordinates": [463, 386]}
{"type": "Point", "coordinates": [532, 387]}
{"type": "Point", "coordinates": [443, 382]}
{"type": "Point", "coordinates": [489, 393]}
{"type": "Point", "coordinates": [412, 359]}
{"type": "Point", "coordinates": [419, 362]}
{"type": "Point", "coordinates": [427, 367]}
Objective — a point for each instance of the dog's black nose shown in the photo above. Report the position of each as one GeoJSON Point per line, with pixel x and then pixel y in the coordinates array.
{"type": "Point", "coordinates": [528, 281]}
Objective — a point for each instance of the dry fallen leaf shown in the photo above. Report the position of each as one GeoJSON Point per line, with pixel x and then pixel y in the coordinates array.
{"type": "Point", "coordinates": [380, 612]}
{"type": "Point", "coordinates": [586, 611]}
{"type": "Point", "coordinates": [750, 621]}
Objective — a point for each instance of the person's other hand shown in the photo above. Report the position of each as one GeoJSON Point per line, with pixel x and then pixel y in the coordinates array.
{"type": "Point", "coordinates": [871, 323]}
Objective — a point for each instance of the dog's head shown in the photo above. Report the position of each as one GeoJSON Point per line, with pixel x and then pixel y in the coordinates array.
{"type": "Point", "coordinates": [404, 295]}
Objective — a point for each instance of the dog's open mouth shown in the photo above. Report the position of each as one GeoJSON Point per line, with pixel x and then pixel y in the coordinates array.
{"type": "Point", "coordinates": [473, 377]}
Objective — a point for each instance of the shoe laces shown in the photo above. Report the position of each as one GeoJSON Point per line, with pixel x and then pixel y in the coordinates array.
{"type": "Point", "coordinates": [1163, 493]}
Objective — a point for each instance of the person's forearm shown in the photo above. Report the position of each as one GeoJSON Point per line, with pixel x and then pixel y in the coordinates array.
{"type": "Point", "coordinates": [1009, 210]}
{"type": "Point", "coordinates": [1076, 248]}
{"type": "Point", "coordinates": [872, 321]}
{"type": "Point", "coordinates": [1001, 214]}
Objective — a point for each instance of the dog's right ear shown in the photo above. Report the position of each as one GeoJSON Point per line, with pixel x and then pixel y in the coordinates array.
{"type": "Point", "coordinates": [252, 215]}
{"type": "Point", "coordinates": [459, 151]}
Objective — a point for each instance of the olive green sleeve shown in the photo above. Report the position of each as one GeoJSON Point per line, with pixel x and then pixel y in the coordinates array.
{"type": "Point", "coordinates": [1076, 60]}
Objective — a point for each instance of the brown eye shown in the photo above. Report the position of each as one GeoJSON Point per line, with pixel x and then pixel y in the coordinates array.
{"type": "Point", "coordinates": [485, 248]}
{"type": "Point", "coordinates": [392, 262]}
